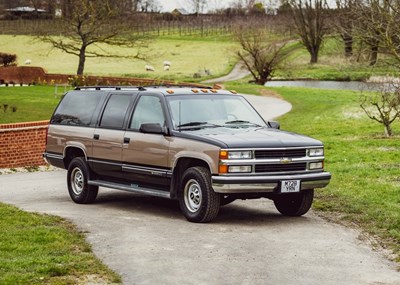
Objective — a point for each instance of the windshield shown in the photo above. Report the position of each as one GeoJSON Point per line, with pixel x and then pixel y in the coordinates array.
{"type": "Point", "coordinates": [198, 111]}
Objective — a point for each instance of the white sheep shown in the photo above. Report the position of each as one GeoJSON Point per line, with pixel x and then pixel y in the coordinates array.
{"type": "Point", "coordinates": [28, 62]}
{"type": "Point", "coordinates": [149, 68]}
{"type": "Point", "coordinates": [167, 63]}
{"type": "Point", "coordinates": [166, 67]}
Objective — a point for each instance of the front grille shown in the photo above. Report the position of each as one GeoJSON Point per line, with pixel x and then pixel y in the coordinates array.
{"type": "Point", "coordinates": [279, 153]}
{"type": "Point", "coordinates": [280, 167]}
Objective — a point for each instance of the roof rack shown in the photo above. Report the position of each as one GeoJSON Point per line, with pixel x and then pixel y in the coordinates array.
{"type": "Point", "coordinates": [143, 88]}
{"type": "Point", "coordinates": [108, 87]}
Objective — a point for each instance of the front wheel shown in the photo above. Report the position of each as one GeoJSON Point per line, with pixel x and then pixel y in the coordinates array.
{"type": "Point", "coordinates": [77, 180]}
{"type": "Point", "coordinates": [294, 204]}
{"type": "Point", "coordinates": [197, 200]}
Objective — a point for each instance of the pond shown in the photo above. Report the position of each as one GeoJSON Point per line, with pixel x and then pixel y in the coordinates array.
{"type": "Point", "coordinates": [336, 85]}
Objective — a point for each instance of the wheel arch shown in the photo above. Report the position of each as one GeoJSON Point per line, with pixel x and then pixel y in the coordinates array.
{"type": "Point", "coordinates": [182, 164]}
{"type": "Point", "coordinates": [70, 152]}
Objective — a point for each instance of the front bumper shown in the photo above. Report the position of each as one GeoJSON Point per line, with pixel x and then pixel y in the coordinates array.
{"type": "Point", "coordinates": [265, 184]}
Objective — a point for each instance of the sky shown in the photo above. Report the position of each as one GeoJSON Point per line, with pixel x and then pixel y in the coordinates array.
{"type": "Point", "coordinates": [169, 5]}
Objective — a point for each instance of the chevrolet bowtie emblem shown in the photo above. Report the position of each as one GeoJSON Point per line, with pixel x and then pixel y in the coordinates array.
{"type": "Point", "coordinates": [286, 160]}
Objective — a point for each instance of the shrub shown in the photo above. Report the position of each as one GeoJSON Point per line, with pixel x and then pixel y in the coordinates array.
{"type": "Point", "coordinates": [7, 59]}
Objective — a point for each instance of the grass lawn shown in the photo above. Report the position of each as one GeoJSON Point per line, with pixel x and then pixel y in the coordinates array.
{"type": "Point", "coordinates": [33, 103]}
{"type": "Point", "coordinates": [187, 55]}
{"type": "Point", "coordinates": [42, 249]}
{"type": "Point", "coordinates": [365, 185]}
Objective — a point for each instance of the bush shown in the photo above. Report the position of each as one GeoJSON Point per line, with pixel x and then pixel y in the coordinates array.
{"type": "Point", "coordinates": [7, 59]}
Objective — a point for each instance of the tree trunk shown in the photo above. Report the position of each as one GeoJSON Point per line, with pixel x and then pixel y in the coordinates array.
{"type": "Point", "coordinates": [82, 59]}
{"type": "Point", "coordinates": [348, 44]}
{"type": "Point", "coordinates": [314, 57]}
{"type": "Point", "coordinates": [388, 130]}
{"type": "Point", "coordinates": [374, 55]}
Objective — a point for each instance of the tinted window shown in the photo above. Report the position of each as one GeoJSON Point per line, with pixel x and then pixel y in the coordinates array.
{"type": "Point", "coordinates": [77, 108]}
{"type": "Point", "coordinates": [114, 113]}
{"type": "Point", "coordinates": [148, 110]}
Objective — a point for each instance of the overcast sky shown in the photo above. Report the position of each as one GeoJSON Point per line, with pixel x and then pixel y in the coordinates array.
{"type": "Point", "coordinates": [169, 5]}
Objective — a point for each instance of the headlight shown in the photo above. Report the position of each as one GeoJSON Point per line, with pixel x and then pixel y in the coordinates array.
{"type": "Point", "coordinates": [239, 169]}
{"type": "Point", "coordinates": [316, 165]}
{"type": "Point", "coordinates": [239, 155]}
{"type": "Point", "coordinates": [316, 152]}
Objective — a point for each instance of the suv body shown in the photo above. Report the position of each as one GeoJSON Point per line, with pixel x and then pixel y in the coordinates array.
{"type": "Point", "coordinates": [204, 147]}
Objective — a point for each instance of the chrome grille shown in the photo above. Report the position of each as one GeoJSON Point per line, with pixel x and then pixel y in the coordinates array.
{"type": "Point", "coordinates": [279, 153]}
{"type": "Point", "coordinates": [280, 167]}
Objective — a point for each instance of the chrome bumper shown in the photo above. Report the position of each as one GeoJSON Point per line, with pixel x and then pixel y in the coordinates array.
{"type": "Point", "coordinates": [265, 184]}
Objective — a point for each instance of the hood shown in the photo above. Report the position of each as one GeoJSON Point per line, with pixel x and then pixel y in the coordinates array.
{"type": "Point", "coordinates": [253, 137]}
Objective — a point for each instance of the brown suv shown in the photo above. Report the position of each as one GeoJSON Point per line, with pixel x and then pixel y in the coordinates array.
{"type": "Point", "coordinates": [204, 147]}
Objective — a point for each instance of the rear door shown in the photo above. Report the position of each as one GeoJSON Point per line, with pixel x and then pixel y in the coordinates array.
{"type": "Point", "coordinates": [108, 137]}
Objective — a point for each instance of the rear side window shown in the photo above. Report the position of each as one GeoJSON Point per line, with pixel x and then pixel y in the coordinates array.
{"type": "Point", "coordinates": [77, 108]}
{"type": "Point", "coordinates": [115, 111]}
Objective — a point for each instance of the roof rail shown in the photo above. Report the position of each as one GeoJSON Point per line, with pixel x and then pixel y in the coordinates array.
{"type": "Point", "coordinates": [143, 88]}
{"type": "Point", "coordinates": [108, 87]}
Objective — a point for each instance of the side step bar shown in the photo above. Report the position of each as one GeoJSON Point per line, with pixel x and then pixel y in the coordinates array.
{"type": "Point", "coordinates": [132, 188]}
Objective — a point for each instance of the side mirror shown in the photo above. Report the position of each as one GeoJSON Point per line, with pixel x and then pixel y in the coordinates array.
{"type": "Point", "coordinates": [151, 128]}
{"type": "Point", "coordinates": [274, 125]}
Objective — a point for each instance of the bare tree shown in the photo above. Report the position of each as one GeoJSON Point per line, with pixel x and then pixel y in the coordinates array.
{"type": "Point", "coordinates": [344, 23]}
{"type": "Point", "coordinates": [383, 106]}
{"type": "Point", "coordinates": [196, 6]}
{"type": "Point", "coordinates": [310, 18]}
{"type": "Point", "coordinates": [260, 53]}
{"type": "Point", "coordinates": [95, 24]}
{"type": "Point", "coordinates": [380, 27]}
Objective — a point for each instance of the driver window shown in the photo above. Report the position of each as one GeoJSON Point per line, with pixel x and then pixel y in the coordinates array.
{"type": "Point", "coordinates": [148, 110]}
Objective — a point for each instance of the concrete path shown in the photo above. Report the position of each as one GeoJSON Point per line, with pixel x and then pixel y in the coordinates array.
{"type": "Point", "coordinates": [148, 241]}
{"type": "Point", "coordinates": [239, 71]}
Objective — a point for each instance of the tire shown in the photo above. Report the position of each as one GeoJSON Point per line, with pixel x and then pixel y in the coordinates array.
{"type": "Point", "coordinates": [77, 181]}
{"type": "Point", "coordinates": [294, 205]}
{"type": "Point", "coordinates": [197, 200]}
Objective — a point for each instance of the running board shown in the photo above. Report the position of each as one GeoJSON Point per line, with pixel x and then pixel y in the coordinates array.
{"type": "Point", "coordinates": [132, 188]}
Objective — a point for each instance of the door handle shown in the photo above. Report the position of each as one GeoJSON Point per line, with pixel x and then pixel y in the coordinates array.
{"type": "Point", "coordinates": [127, 140]}
{"type": "Point", "coordinates": [96, 136]}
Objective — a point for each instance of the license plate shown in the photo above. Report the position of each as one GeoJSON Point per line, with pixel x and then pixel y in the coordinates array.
{"type": "Point", "coordinates": [290, 186]}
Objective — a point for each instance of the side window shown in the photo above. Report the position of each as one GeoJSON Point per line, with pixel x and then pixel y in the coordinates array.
{"type": "Point", "coordinates": [77, 108]}
{"type": "Point", "coordinates": [148, 110]}
{"type": "Point", "coordinates": [114, 112]}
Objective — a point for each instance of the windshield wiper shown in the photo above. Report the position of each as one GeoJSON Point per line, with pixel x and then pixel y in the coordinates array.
{"type": "Point", "coordinates": [197, 124]}
{"type": "Point", "coordinates": [240, 122]}
{"type": "Point", "coordinates": [192, 124]}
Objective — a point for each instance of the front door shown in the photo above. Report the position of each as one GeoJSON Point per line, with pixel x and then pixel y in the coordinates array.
{"type": "Point", "coordinates": [145, 156]}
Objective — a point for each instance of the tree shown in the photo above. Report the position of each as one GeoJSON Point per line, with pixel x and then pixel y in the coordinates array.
{"type": "Point", "coordinates": [379, 27]}
{"type": "Point", "coordinates": [92, 24]}
{"type": "Point", "coordinates": [196, 6]}
{"type": "Point", "coordinates": [310, 18]}
{"type": "Point", "coordinates": [383, 106]}
{"type": "Point", "coordinates": [260, 53]}
{"type": "Point", "coordinates": [344, 23]}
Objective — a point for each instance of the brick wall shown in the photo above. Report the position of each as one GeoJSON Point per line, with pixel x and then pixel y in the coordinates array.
{"type": "Point", "coordinates": [33, 74]}
{"type": "Point", "coordinates": [22, 144]}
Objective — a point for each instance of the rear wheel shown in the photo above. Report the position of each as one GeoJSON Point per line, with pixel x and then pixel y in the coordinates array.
{"type": "Point", "coordinates": [197, 200]}
{"type": "Point", "coordinates": [77, 180]}
{"type": "Point", "coordinates": [294, 204]}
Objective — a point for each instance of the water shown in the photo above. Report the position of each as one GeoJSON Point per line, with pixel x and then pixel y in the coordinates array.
{"type": "Point", "coordinates": [336, 85]}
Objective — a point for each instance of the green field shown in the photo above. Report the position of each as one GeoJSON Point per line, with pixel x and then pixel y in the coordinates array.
{"type": "Point", "coordinates": [187, 56]}
{"type": "Point", "coordinates": [39, 249]}
{"type": "Point", "coordinates": [34, 103]}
